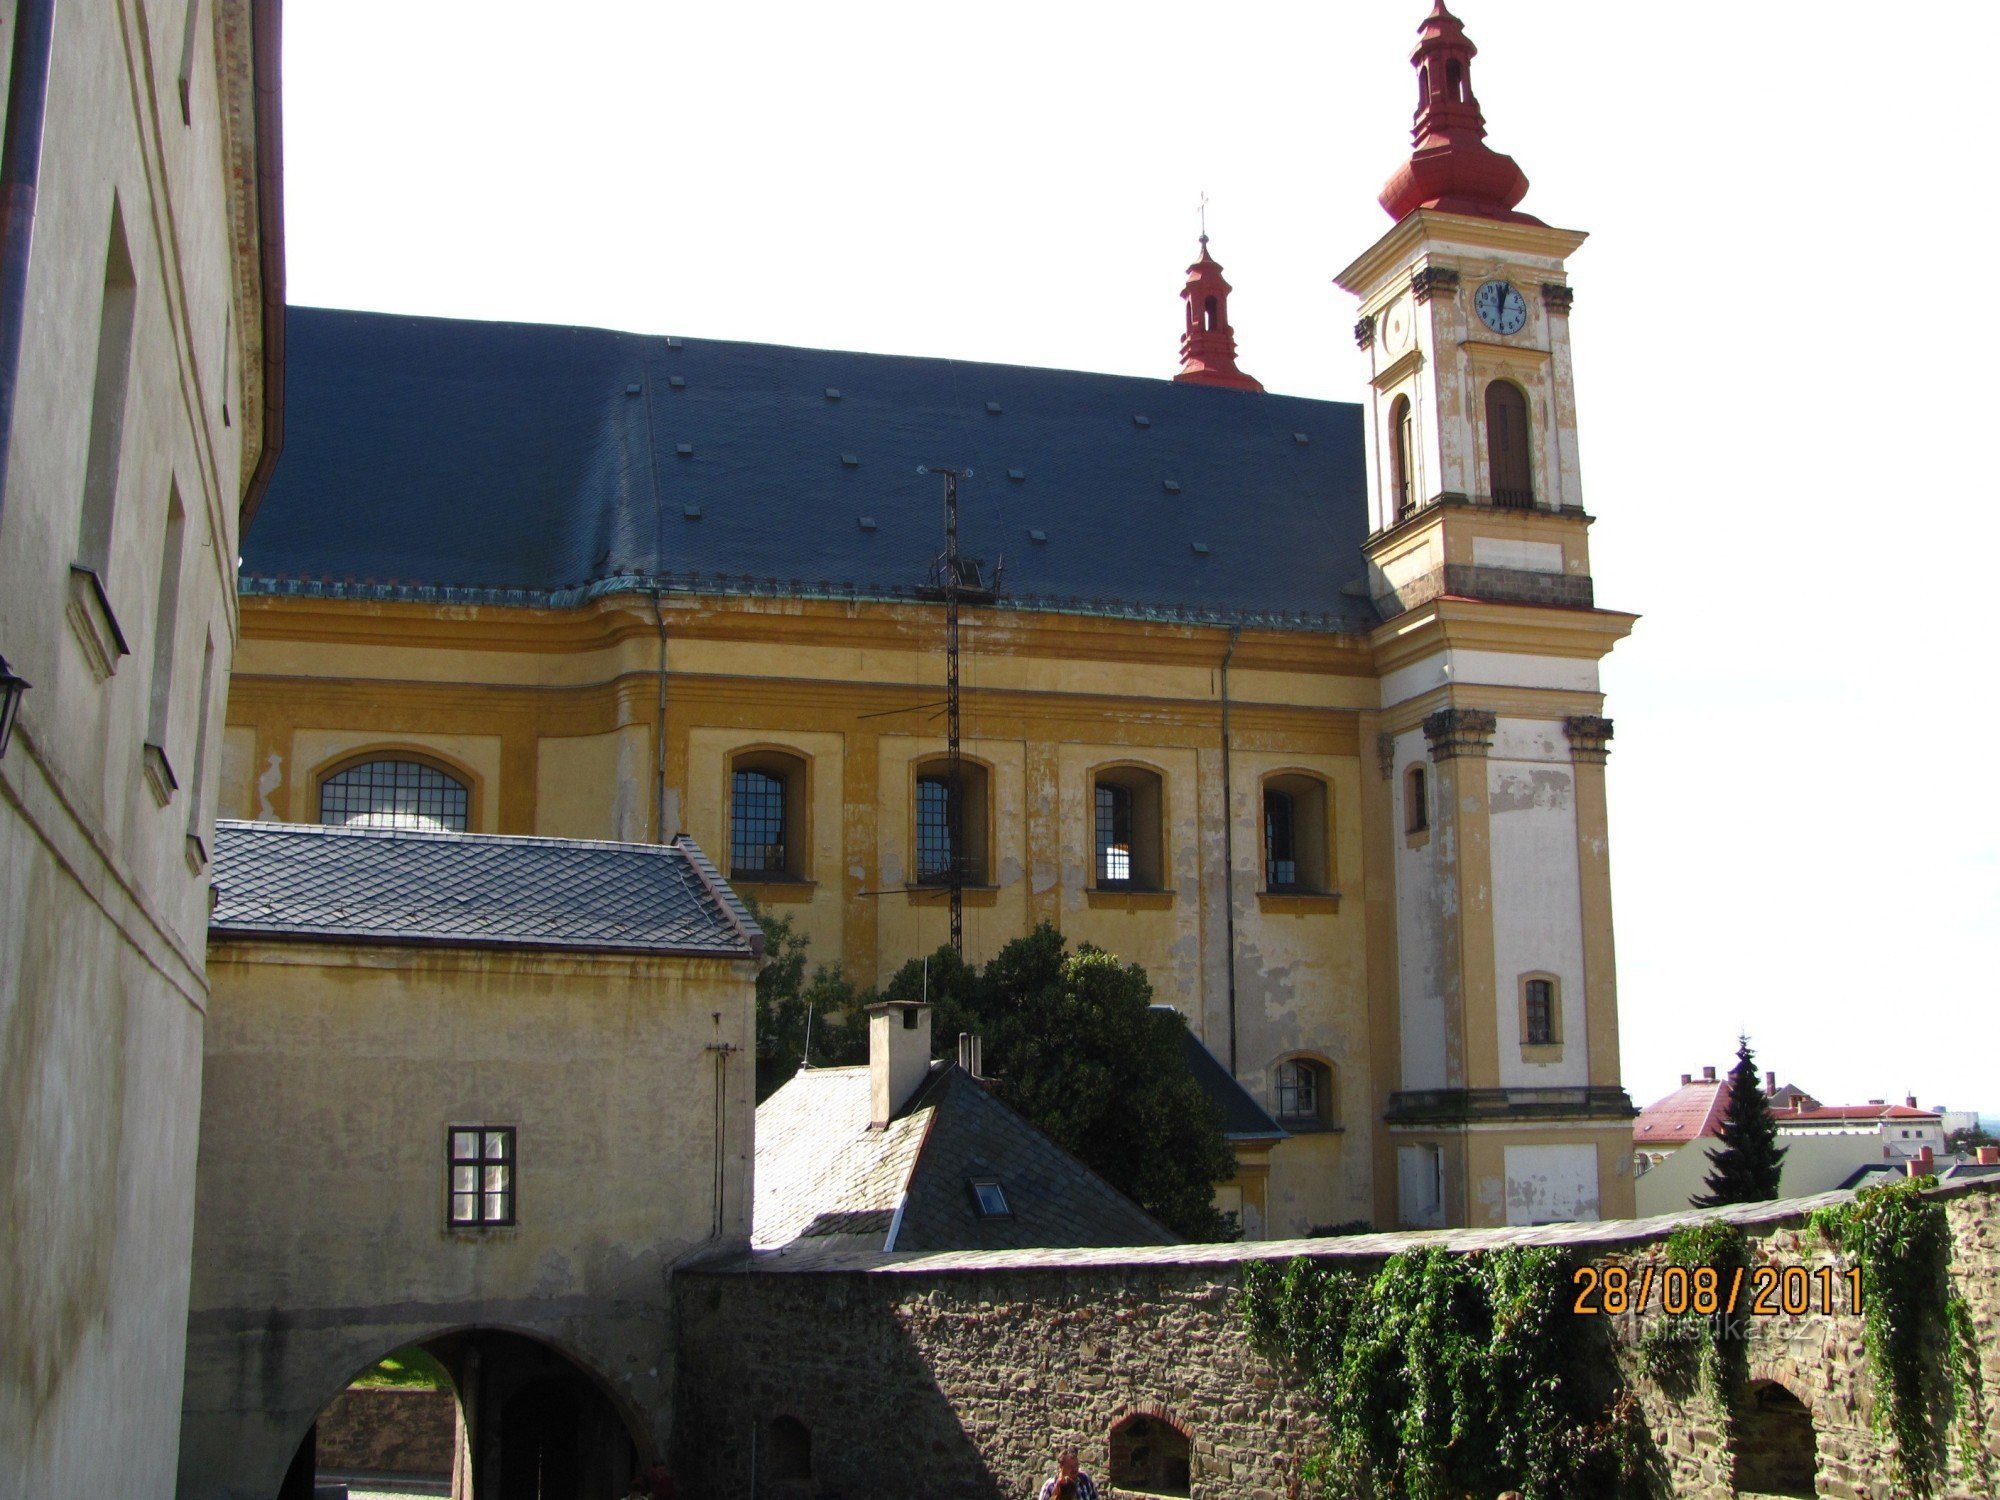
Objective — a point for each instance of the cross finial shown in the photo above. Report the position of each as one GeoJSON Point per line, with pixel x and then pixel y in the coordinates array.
{"type": "Point", "coordinates": [1202, 209]}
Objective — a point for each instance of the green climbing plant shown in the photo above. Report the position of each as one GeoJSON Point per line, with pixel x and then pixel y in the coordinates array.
{"type": "Point", "coordinates": [1916, 1330]}
{"type": "Point", "coordinates": [1689, 1351]}
{"type": "Point", "coordinates": [1442, 1375]}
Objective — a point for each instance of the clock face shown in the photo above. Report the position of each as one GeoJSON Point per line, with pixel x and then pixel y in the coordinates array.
{"type": "Point", "coordinates": [1500, 307]}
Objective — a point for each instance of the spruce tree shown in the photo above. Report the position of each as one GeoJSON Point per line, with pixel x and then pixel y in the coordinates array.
{"type": "Point", "coordinates": [1748, 1162]}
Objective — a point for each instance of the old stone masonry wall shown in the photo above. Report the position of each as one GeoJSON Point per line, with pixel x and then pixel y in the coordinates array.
{"type": "Point", "coordinates": [929, 1377]}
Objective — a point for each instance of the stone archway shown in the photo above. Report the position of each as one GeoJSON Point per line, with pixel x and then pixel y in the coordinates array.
{"type": "Point", "coordinates": [531, 1423]}
{"type": "Point", "coordinates": [1774, 1445]}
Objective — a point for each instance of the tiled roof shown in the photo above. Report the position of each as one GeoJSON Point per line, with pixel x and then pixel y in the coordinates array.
{"type": "Point", "coordinates": [824, 1180]}
{"type": "Point", "coordinates": [1690, 1112]}
{"type": "Point", "coordinates": [308, 881]}
{"type": "Point", "coordinates": [1243, 1118]}
{"type": "Point", "coordinates": [459, 458]}
{"type": "Point", "coordinates": [1828, 1114]}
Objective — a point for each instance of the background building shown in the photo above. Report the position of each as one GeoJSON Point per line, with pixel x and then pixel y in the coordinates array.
{"type": "Point", "coordinates": [141, 333]}
{"type": "Point", "coordinates": [1293, 703]}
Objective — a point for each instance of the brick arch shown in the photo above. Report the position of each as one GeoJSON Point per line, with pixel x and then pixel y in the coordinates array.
{"type": "Point", "coordinates": [1149, 1469]}
{"type": "Point", "coordinates": [1774, 1440]}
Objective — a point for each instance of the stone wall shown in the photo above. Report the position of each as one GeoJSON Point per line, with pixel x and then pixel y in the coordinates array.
{"type": "Point", "coordinates": [380, 1431]}
{"type": "Point", "coordinates": [959, 1375]}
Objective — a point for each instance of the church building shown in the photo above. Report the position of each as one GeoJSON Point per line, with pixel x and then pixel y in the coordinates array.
{"type": "Point", "coordinates": [1294, 703]}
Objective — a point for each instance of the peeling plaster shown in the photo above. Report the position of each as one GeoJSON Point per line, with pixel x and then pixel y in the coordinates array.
{"type": "Point", "coordinates": [269, 782]}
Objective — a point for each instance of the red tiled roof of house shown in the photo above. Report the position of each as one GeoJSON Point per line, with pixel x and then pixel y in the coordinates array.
{"type": "Point", "coordinates": [1829, 1112]}
{"type": "Point", "coordinates": [1691, 1111]}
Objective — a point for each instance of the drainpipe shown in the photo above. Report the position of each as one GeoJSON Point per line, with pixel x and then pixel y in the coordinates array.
{"type": "Point", "coordinates": [660, 732]}
{"type": "Point", "coordinates": [20, 170]}
{"type": "Point", "coordinates": [1229, 851]}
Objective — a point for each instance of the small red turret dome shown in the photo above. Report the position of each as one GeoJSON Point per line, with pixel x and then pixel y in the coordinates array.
{"type": "Point", "coordinates": [1452, 168]}
{"type": "Point", "coordinates": [1208, 346]}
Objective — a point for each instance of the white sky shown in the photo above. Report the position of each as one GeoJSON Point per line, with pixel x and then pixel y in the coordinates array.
{"type": "Point", "coordinates": [1783, 336]}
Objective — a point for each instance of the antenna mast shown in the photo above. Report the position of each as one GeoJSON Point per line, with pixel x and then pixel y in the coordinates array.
{"type": "Point", "coordinates": [954, 806]}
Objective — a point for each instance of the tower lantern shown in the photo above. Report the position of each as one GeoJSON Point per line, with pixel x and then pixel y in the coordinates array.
{"type": "Point", "coordinates": [1208, 347]}
{"type": "Point", "coordinates": [1451, 168]}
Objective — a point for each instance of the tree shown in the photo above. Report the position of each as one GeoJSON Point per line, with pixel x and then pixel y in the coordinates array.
{"type": "Point", "coordinates": [795, 1013]}
{"type": "Point", "coordinates": [1072, 1041]}
{"type": "Point", "coordinates": [1748, 1163]}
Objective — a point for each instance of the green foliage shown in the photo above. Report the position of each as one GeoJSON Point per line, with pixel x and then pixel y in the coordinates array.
{"type": "Point", "coordinates": [1073, 1042]}
{"type": "Point", "coordinates": [1917, 1331]}
{"type": "Point", "coordinates": [1747, 1166]}
{"type": "Point", "coordinates": [794, 1011]}
{"type": "Point", "coordinates": [411, 1368]}
{"type": "Point", "coordinates": [1444, 1375]}
{"type": "Point", "coordinates": [1971, 1137]}
{"type": "Point", "coordinates": [1691, 1351]}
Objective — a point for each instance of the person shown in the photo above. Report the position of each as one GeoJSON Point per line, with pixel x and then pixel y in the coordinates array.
{"type": "Point", "coordinates": [1070, 1482]}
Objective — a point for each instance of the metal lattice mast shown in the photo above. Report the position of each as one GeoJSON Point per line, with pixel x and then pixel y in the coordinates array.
{"type": "Point", "coordinates": [954, 807]}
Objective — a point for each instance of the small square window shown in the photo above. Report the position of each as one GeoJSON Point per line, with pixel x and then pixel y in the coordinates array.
{"type": "Point", "coordinates": [481, 1175]}
{"type": "Point", "coordinates": [992, 1202]}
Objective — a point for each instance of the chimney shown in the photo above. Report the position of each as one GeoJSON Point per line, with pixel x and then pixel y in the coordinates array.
{"type": "Point", "coordinates": [1686, 1079]}
{"type": "Point", "coordinates": [1989, 1156]}
{"type": "Point", "coordinates": [899, 1056]}
{"type": "Point", "coordinates": [1920, 1164]}
{"type": "Point", "coordinates": [1770, 1082]}
{"type": "Point", "coordinates": [1708, 1075]}
{"type": "Point", "coordinates": [1910, 1101]}
{"type": "Point", "coordinates": [970, 1054]}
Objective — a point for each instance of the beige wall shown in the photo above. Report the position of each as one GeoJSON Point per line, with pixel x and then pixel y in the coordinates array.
{"type": "Point", "coordinates": [103, 899]}
{"type": "Point", "coordinates": [333, 1073]}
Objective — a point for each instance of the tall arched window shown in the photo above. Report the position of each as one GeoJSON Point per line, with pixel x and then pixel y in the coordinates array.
{"type": "Point", "coordinates": [767, 807]}
{"type": "Point", "coordinates": [1296, 826]}
{"type": "Point", "coordinates": [1208, 315]}
{"type": "Point", "coordinates": [1402, 489]}
{"type": "Point", "coordinates": [395, 794]}
{"type": "Point", "coordinates": [1126, 803]}
{"type": "Point", "coordinates": [937, 850]}
{"type": "Point", "coordinates": [1507, 445]}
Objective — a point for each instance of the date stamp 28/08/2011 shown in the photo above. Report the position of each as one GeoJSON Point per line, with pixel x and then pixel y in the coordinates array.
{"type": "Point", "coordinates": [1761, 1291]}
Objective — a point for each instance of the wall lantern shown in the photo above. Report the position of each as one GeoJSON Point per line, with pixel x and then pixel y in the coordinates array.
{"type": "Point", "coordinates": [12, 686]}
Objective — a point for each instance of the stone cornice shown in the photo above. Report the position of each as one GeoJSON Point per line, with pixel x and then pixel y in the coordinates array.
{"type": "Point", "coordinates": [1448, 233]}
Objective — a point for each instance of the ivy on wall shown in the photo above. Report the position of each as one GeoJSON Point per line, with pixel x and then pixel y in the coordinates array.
{"type": "Point", "coordinates": [1689, 1351]}
{"type": "Point", "coordinates": [1443, 1375]}
{"type": "Point", "coordinates": [1916, 1329]}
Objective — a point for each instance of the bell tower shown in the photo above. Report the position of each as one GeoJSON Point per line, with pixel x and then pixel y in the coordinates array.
{"type": "Point", "coordinates": [1208, 346]}
{"type": "Point", "coordinates": [1506, 1106]}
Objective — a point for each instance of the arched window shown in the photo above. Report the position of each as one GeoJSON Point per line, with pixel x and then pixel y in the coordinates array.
{"type": "Point", "coordinates": [1126, 803]}
{"type": "Point", "coordinates": [1454, 80]}
{"type": "Point", "coordinates": [1208, 315]}
{"type": "Point", "coordinates": [1150, 1456]}
{"type": "Point", "coordinates": [1402, 487]}
{"type": "Point", "coordinates": [395, 794]}
{"type": "Point", "coordinates": [1304, 1094]}
{"type": "Point", "coordinates": [1507, 445]}
{"type": "Point", "coordinates": [1775, 1449]}
{"type": "Point", "coordinates": [791, 1451]}
{"type": "Point", "coordinates": [1416, 800]}
{"type": "Point", "coordinates": [767, 808]}
{"type": "Point", "coordinates": [944, 838]}
{"type": "Point", "coordinates": [1297, 856]}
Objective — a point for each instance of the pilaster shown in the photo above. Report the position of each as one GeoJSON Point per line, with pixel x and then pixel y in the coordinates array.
{"type": "Point", "coordinates": [1459, 741]}
{"type": "Point", "coordinates": [1589, 747]}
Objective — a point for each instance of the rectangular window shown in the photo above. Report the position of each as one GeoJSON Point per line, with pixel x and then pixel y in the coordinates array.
{"type": "Point", "coordinates": [1541, 1003]}
{"type": "Point", "coordinates": [482, 1175]}
{"type": "Point", "coordinates": [107, 401]}
{"type": "Point", "coordinates": [1281, 864]}
{"type": "Point", "coordinates": [757, 832]}
{"type": "Point", "coordinates": [166, 622]}
{"type": "Point", "coordinates": [992, 1202]}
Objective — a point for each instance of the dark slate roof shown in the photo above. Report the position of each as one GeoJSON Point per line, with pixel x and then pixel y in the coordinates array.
{"type": "Point", "coordinates": [438, 458]}
{"type": "Point", "coordinates": [1243, 1118]}
{"type": "Point", "coordinates": [392, 885]}
{"type": "Point", "coordinates": [823, 1175]}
